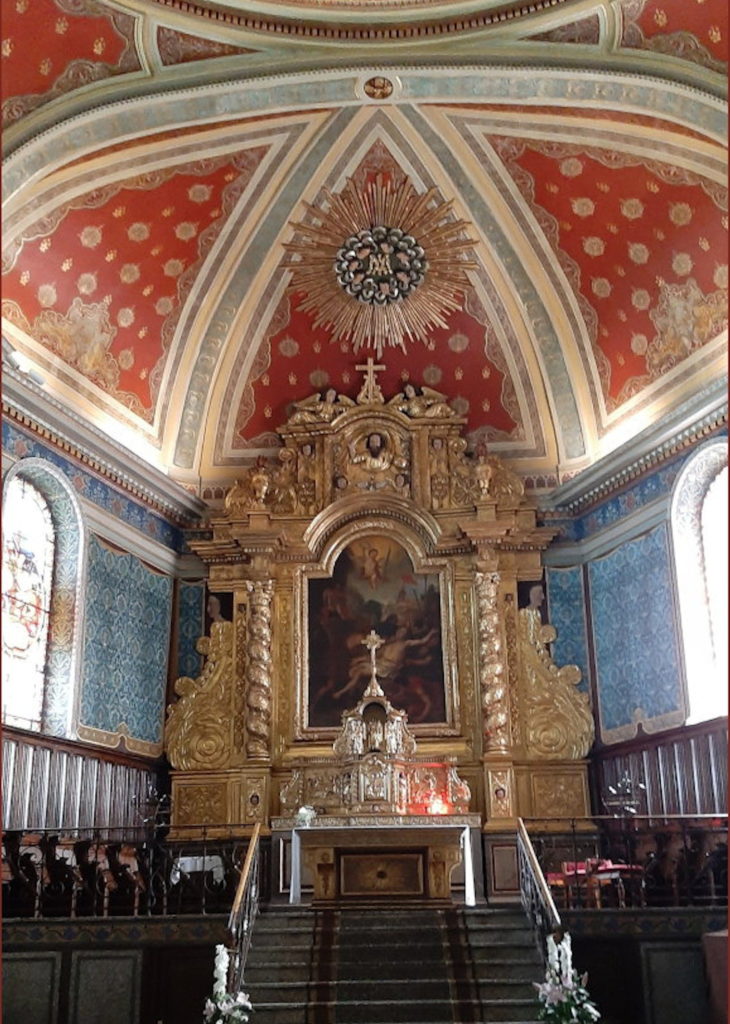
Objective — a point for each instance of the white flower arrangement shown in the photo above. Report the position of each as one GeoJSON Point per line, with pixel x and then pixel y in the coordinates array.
{"type": "Point", "coordinates": [563, 994]}
{"type": "Point", "coordinates": [225, 1008]}
{"type": "Point", "coordinates": [305, 816]}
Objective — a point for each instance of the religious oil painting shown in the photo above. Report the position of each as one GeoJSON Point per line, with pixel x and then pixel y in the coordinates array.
{"type": "Point", "coordinates": [374, 586]}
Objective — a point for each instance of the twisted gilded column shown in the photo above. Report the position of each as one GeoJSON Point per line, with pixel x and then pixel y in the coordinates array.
{"type": "Point", "coordinates": [258, 676]}
{"type": "Point", "coordinates": [494, 688]}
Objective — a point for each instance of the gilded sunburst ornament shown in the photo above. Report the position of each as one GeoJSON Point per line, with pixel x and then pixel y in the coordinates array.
{"type": "Point", "coordinates": [381, 264]}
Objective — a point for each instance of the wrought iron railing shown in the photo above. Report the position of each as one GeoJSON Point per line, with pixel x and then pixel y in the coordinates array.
{"type": "Point", "coordinates": [110, 872]}
{"type": "Point", "coordinates": [243, 914]}
{"type": "Point", "coordinates": [535, 894]}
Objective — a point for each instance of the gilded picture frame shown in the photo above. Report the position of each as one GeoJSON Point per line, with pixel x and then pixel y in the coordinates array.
{"type": "Point", "coordinates": [377, 579]}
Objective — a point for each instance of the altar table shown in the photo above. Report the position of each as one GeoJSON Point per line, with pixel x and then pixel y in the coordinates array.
{"type": "Point", "coordinates": [393, 856]}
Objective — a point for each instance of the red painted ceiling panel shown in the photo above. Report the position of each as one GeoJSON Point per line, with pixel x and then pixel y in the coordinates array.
{"type": "Point", "coordinates": [303, 360]}
{"type": "Point", "coordinates": [650, 247]}
{"type": "Point", "coordinates": [50, 48]}
{"type": "Point", "coordinates": [123, 264]}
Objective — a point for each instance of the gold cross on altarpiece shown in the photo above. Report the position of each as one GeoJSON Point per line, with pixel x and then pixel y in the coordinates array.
{"type": "Point", "coordinates": [372, 641]}
{"type": "Point", "coordinates": [370, 392]}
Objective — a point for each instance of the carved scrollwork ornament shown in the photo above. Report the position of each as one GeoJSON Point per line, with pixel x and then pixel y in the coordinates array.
{"type": "Point", "coordinates": [258, 675]}
{"type": "Point", "coordinates": [494, 687]}
{"type": "Point", "coordinates": [292, 793]}
{"type": "Point", "coordinates": [197, 735]}
{"type": "Point", "coordinates": [557, 717]}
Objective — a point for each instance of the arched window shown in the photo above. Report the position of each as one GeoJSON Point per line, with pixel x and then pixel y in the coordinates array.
{"type": "Point", "coordinates": [43, 548]}
{"type": "Point", "coordinates": [699, 517]}
{"type": "Point", "coordinates": [27, 577]}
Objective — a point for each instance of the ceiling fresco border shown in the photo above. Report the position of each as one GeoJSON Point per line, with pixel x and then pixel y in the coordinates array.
{"type": "Point", "coordinates": [169, 160]}
{"type": "Point", "coordinates": [571, 441]}
{"type": "Point", "coordinates": [157, 153]}
{"type": "Point", "coordinates": [216, 268]}
{"type": "Point", "coordinates": [304, 20]}
{"type": "Point", "coordinates": [231, 99]}
{"type": "Point", "coordinates": [233, 300]}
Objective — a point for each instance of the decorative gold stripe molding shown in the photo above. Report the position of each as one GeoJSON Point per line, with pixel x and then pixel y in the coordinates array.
{"type": "Point", "coordinates": [119, 740]}
{"type": "Point", "coordinates": [100, 468]}
{"type": "Point", "coordinates": [320, 30]}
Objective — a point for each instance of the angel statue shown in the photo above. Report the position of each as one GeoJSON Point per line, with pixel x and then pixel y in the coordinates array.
{"type": "Point", "coordinates": [429, 403]}
{"type": "Point", "coordinates": [317, 409]}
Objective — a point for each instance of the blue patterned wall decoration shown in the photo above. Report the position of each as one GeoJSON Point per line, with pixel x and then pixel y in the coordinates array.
{"type": "Point", "coordinates": [566, 606]}
{"type": "Point", "coordinates": [126, 645]}
{"type": "Point", "coordinates": [191, 626]}
{"type": "Point", "coordinates": [23, 445]}
{"type": "Point", "coordinates": [636, 638]}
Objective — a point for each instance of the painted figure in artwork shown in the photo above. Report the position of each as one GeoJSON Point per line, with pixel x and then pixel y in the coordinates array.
{"type": "Point", "coordinates": [374, 586]}
{"type": "Point", "coordinates": [371, 567]}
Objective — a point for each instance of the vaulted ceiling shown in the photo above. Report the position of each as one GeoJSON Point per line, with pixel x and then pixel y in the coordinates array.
{"type": "Point", "coordinates": [160, 156]}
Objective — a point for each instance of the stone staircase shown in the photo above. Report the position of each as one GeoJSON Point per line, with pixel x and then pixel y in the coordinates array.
{"type": "Point", "coordinates": [392, 965]}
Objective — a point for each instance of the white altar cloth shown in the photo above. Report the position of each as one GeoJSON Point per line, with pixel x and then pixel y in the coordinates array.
{"type": "Point", "coordinates": [461, 822]}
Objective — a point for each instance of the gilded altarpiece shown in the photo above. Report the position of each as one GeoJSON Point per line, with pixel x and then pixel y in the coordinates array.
{"type": "Point", "coordinates": [374, 515]}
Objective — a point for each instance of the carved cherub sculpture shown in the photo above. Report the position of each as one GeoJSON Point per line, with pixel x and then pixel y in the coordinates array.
{"type": "Point", "coordinates": [320, 409]}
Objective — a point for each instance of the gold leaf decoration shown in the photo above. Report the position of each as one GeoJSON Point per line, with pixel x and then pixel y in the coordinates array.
{"type": "Point", "coordinates": [381, 264]}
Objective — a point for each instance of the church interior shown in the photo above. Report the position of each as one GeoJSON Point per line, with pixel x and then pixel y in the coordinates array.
{"type": "Point", "coordinates": [365, 508]}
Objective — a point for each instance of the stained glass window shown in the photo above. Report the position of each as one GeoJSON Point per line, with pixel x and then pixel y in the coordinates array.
{"type": "Point", "coordinates": [27, 578]}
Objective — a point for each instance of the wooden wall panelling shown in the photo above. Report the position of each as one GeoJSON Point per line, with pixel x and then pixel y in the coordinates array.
{"type": "Point", "coordinates": [63, 787]}
{"type": "Point", "coordinates": [72, 793]}
{"type": "Point", "coordinates": [103, 796]}
{"type": "Point", "coordinates": [105, 986]}
{"type": "Point", "coordinates": [684, 770]}
{"type": "Point", "coordinates": [674, 983]}
{"type": "Point", "coordinates": [31, 987]}
{"type": "Point", "coordinates": [10, 751]}
{"type": "Point", "coordinates": [87, 802]}
{"type": "Point", "coordinates": [57, 776]}
{"type": "Point", "coordinates": [718, 759]}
